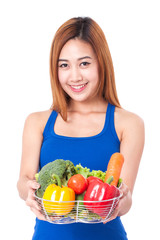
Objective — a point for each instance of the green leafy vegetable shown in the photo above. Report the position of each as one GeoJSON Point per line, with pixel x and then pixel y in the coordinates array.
{"type": "Point", "coordinates": [98, 174]}
{"type": "Point", "coordinates": [86, 172]}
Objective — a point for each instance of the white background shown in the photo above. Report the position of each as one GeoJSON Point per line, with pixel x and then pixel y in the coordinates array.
{"type": "Point", "coordinates": [27, 29]}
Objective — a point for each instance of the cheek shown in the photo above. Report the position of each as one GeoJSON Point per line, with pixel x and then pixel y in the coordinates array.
{"type": "Point", "coordinates": [62, 76]}
{"type": "Point", "coordinates": [93, 76]}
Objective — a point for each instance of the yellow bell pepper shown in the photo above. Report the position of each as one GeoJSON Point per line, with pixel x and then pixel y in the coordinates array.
{"type": "Point", "coordinates": [56, 196]}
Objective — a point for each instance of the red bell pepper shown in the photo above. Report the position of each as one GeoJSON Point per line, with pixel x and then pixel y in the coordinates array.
{"type": "Point", "coordinates": [92, 178]}
{"type": "Point", "coordinates": [99, 191]}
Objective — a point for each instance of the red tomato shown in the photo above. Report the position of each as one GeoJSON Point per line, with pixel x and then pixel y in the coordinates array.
{"type": "Point", "coordinates": [78, 183]}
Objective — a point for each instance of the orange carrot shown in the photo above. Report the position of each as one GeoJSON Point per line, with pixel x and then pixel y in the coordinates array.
{"type": "Point", "coordinates": [114, 168]}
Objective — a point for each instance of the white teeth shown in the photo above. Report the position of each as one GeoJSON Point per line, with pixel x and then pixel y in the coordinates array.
{"type": "Point", "coordinates": [78, 87]}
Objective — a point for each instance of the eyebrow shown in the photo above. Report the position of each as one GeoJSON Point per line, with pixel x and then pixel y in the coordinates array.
{"type": "Point", "coordinates": [65, 60]}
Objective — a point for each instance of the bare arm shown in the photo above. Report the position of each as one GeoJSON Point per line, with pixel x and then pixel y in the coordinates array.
{"type": "Point", "coordinates": [31, 145]}
{"type": "Point", "coordinates": [132, 147]}
{"type": "Point", "coordinates": [131, 129]}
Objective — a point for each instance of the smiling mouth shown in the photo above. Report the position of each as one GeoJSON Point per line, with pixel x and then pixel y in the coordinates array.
{"type": "Point", "coordinates": [78, 87]}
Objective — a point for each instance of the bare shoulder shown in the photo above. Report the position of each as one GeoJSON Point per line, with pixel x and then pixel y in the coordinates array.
{"type": "Point", "coordinates": [126, 121]}
{"type": "Point", "coordinates": [37, 120]}
{"type": "Point", "coordinates": [127, 116]}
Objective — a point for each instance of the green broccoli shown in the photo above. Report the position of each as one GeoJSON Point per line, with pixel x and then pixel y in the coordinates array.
{"type": "Point", "coordinates": [68, 173]}
{"type": "Point", "coordinates": [57, 172]}
{"type": "Point", "coordinates": [81, 170]}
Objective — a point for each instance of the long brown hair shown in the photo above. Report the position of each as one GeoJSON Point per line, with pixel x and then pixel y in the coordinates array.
{"type": "Point", "coordinates": [88, 30]}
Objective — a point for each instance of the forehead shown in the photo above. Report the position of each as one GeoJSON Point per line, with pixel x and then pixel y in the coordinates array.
{"type": "Point", "coordinates": [76, 48]}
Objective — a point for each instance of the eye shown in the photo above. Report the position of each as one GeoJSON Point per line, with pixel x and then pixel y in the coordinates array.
{"type": "Point", "coordinates": [84, 64]}
{"type": "Point", "coordinates": [63, 65]}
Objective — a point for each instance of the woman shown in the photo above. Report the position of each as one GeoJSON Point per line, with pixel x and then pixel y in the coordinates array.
{"type": "Point", "coordinates": [85, 125]}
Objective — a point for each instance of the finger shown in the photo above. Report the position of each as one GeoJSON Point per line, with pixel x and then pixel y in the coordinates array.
{"type": "Point", "coordinates": [33, 184]}
{"type": "Point", "coordinates": [33, 204]}
{"type": "Point", "coordinates": [30, 201]}
{"type": "Point", "coordinates": [38, 214]}
{"type": "Point", "coordinates": [31, 194]}
{"type": "Point", "coordinates": [124, 189]}
{"type": "Point", "coordinates": [113, 215]}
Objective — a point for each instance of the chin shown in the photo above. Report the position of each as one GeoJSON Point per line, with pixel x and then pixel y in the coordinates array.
{"type": "Point", "coordinates": [78, 98]}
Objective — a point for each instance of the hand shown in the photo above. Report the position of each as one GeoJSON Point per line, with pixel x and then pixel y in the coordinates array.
{"type": "Point", "coordinates": [123, 205]}
{"type": "Point", "coordinates": [31, 202]}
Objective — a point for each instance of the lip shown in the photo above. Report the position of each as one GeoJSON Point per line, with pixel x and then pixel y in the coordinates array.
{"type": "Point", "coordinates": [78, 88]}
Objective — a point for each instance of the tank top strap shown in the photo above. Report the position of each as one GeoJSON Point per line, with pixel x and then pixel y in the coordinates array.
{"type": "Point", "coordinates": [110, 121]}
{"type": "Point", "coordinates": [50, 124]}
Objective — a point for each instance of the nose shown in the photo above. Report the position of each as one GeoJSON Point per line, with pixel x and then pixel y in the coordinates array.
{"type": "Point", "coordinates": [75, 75]}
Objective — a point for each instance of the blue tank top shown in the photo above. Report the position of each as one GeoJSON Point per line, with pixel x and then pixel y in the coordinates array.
{"type": "Point", "coordinates": [93, 152]}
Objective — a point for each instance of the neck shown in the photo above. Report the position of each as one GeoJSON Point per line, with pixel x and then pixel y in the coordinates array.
{"type": "Point", "coordinates": [96, 105]}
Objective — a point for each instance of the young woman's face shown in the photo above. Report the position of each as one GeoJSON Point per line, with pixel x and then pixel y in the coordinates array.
{"type": "Point", "coordinates": [78, 70]}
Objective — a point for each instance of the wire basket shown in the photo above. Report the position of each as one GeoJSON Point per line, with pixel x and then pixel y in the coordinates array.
{"type": "Point", "coordinates": [65, 212]}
